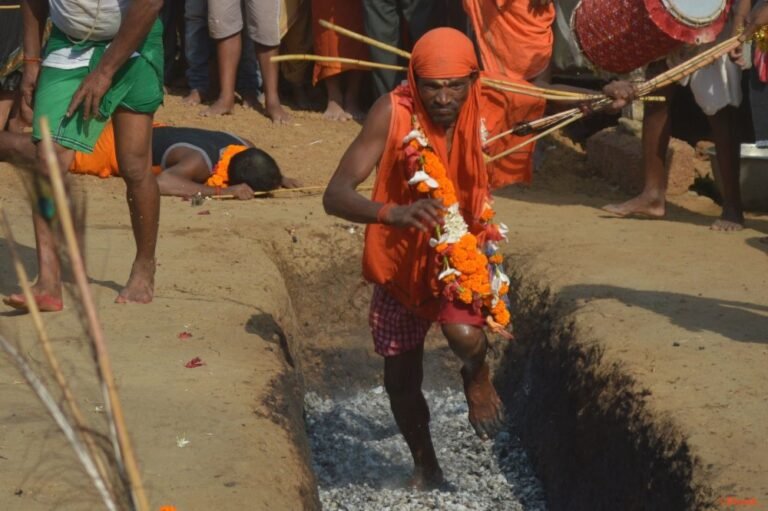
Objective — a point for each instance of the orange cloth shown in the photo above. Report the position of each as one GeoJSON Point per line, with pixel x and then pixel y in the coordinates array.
{"type": "Point", "coordinates": [331, 44]}
{"type": "Point", "coordinates": [102, 162]}
{"type": "Point", "coordinates": [401, 259]}
{"type": "Point", "coordinates": [515, 40]}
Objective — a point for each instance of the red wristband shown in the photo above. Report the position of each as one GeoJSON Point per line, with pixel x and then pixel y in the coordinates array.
{"type": "Point", "coordinates": [35, 60]}
{"type": "Point", "coordinates": [381, 215]}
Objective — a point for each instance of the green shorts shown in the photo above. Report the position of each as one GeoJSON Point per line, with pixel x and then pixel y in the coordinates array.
{"type": "Point", "coordinates": [137, 86]}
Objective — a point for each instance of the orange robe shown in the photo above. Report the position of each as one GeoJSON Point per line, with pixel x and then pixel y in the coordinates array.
{"type": "Point", "coordinates": [399, 259]}
{"type": "Point", "coordinates": [514, 39]}
{"type": "Point", "coordinates": [102, 162]}
{"type": "Point", "coordinates": [328, 43]}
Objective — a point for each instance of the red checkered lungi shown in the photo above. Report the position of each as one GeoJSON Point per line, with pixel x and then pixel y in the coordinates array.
{"type": "Point", "coordinates": [395, 329]}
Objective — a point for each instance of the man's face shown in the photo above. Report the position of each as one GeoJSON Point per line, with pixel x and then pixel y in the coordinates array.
{"type": "Point", "coordinates": [444, 98]}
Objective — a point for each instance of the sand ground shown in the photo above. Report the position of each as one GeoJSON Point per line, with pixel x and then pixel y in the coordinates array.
{"type": "Point", "coordinates": [270, 285]}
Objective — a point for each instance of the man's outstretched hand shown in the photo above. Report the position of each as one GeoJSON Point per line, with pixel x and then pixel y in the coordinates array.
{"type": "Point", "coordinates": [424, 214]}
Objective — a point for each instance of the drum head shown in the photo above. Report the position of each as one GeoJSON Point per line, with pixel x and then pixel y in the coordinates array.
{"type": "Point", "coordinates": [695, 13]}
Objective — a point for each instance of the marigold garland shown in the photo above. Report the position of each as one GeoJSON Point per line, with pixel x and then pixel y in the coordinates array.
{"type": "Point", "coordinates": [220, 175]}
{"type": "Point", "coordinates": [471, 274]}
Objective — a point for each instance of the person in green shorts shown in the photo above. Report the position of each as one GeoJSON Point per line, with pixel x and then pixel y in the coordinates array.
{"type": "Point", "coordinates": [104, 59]}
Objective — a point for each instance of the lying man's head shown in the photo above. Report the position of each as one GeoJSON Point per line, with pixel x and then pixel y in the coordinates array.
{"type": "Point", "coordinates": [444, 67]}
{"type": "Point", "coordinates": [255, 168]}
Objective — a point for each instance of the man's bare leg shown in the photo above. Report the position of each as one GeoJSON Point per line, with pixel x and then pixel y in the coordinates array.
{"type": "Point", "coordinates": [270, 74]}
{"type": "Point", "coordinates": [352, 94]}
{"type": "Point", "coordinates": [335, 109]}
{"type": "Point", "coordinates": [133, 138]}
{"type": "Point", "coordinates": [193, 98]}
{"type": "Point", "coordinates": [725, 135]}
{"type": "Point", "coordinates": [403, 375]}
{"type": "Point", "coordinates": [656, 133]}
{"type": "Point", "coordinates": [486, 413]}
{"type": "Point", "coordinates": [47, 288]}
{"type": "Point", "coordinates": [228, 55]}
{"type": "Point", "coordinates": [6, 105]}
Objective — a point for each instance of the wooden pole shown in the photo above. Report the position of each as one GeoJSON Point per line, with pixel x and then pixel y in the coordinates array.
{"type": "Point", "coordinates": [340, 60]}
{"type": "Point", "coordinates": [365, 39]}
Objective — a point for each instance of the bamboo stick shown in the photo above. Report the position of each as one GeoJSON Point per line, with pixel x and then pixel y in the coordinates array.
{"type": "Point", "coordinates": [365, 39]}
{"type": "Point", "coordinates": [53, 362]}
{"type": "Point", "coordinates": [534, 125]}
{"type": "Point", "coordinates": [50, 404]}
{"type": "Point", "coordinates": [123, 448]}
{"type": "Point", "coordinates": [491, 159]}
{"type": "Point", "coordinates": [534, 88]}
{"type": "Point", "coordinates": [9, 7]}
{"type": "Point", "coordinates": [318, 188]}
{"type": "Point", "coordinates": [340, 60]}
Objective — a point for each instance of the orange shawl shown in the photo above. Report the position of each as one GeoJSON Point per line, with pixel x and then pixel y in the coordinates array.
{"type": "Point", "coordinates": [515, 40]}
{"type": "Point", "coordinates": [329, 43]}
{"type": "Point", "coordinates": [401, 259]}
{"type": "Point", "coordinates": [102, 162]}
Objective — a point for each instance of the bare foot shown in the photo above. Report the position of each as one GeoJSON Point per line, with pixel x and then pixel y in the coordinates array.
{"type": "Point", "coordinates": [277, 114]}
{"type": "Point", "coordinates": [193, 98]}
{"type": "Point", "coordinates": [723, 225]}
{"type": "Point", "coordinates": [252, 99]}
{"type": "Point", "coordinates": [641, 205]}
{"type": "Point", "coordinates": [219, 107]}
{"type": "Point", "coordinates": [356, 113]}
{"type": "Point", "coordinates": [334, 112]}
{"type": "Point", "coordinates": [141, 284]}
{"type": "Point", "coordinates": [486, 413]}
{"type": "Point", "coordinates": [45, 302]}
{"type": "Point", "coordinates": [424, 479]}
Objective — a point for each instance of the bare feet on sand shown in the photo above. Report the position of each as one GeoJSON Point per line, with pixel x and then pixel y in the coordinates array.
{"type": "Point", "coordinates": [335, 112]}
{"type": "Point", "coordinates": [194, 98]}
{"type": "Point", "coordinates": [425, 479]}
{"type": "Point", "coordinates": [252, 99]}
{"type": "Point", "coordinates": [47, 301]}
{"type": "Point", "coordinates": [276, 113]}
{"type": "Point", "coordinates": [222, 106]}
{"type": "Point", "coordinates": [729, 221]}
{"type": "Point", "coordinates": [141, 284]}
{"type": "Point", "coordinates": [486, 413]}
{"type": "Point", "coordinates": [640, 206]}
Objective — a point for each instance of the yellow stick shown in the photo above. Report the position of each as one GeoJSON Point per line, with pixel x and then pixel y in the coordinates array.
{"type": "Point", "coordinates": [124, 448]}
{"type": "Point", "coordinates": [9, 7]}
{"type": "Point", "coordinates": [302, 189]}
{"type": "Point", "coordinates": [365, 39]}
{"type": "Point", "coordinates": [534, 88]}
{"type": "Point", "coordinates": [491, 159]}
{"type": "Point", "coordinates": [340, 60]}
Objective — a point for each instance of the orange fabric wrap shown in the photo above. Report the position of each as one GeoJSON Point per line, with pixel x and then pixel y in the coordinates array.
{"type": "Point", "coordinates": [515, 40]}
{"type": "Point", "coordinates": [102, 162]}
{"type": "Point", "coordinates": [329, 43]}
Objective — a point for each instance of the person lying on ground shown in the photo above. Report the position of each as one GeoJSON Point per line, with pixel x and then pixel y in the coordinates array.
{"type": "Point", "coordinates": [435, 122]}
{"type": "Point", "coordinates": [186, 161]}
{"type": "Point", "coordinates": [194, 161]}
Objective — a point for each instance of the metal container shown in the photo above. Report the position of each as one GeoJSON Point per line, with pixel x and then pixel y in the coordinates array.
{"type": "Point", "coordinates": [753, 177]}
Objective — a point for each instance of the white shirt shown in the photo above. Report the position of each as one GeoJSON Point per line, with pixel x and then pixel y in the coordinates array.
{"type": "Point", "coordinates": [97, 20]}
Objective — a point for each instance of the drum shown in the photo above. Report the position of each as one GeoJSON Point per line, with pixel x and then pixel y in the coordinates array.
{"type": "Point", "coordinates": [622, 35]}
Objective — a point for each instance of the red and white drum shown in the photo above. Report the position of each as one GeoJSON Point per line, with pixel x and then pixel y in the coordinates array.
{"type": "Point", "coordinates": [622, 35]}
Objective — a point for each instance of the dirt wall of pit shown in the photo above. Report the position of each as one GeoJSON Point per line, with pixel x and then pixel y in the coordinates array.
{"type": "Point", "coordinates": [594, 442]}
